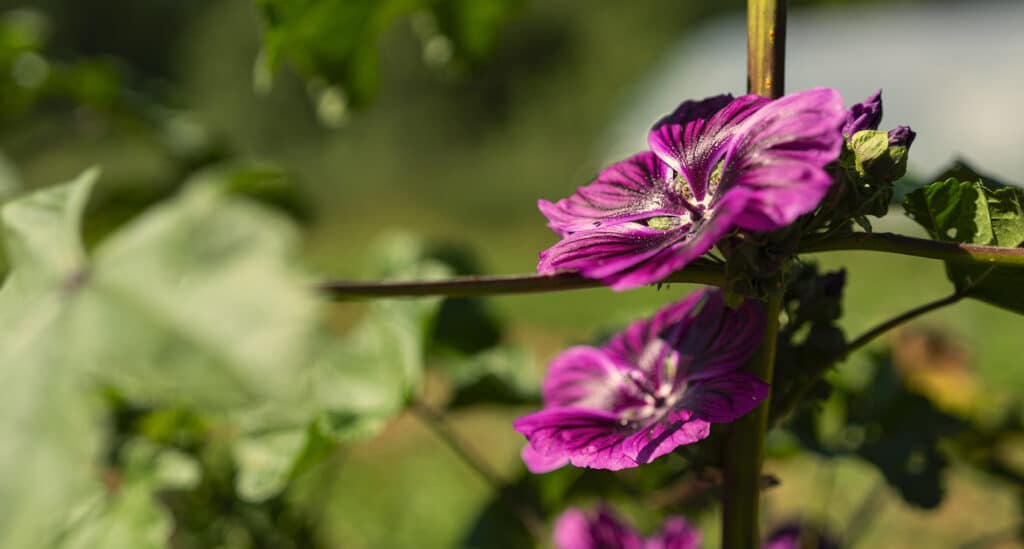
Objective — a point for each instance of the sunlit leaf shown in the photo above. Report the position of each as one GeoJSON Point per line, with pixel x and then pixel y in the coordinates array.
{"type": "Point", "coordinates": [975, 212]}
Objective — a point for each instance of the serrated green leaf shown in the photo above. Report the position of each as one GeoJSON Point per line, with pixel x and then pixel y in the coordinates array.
{"type": "Point", "coordinates": [974, 212]}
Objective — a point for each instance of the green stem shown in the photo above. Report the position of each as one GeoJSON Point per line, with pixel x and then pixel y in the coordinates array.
{"type": "Point", "coordinates": [500, 285]}
{"type": "Point", "coordinates": [788, 403]}
{"type": "Point", "coordinates": [438, 424]}
{"type": "Point", "coordinates": [744, 445]}
{"type": "Point", "coordinates": [920, 247]}
{"type": "Point", "coordinates": [744, 450]}
{"type": "Point", "coordinates": [766, 47]}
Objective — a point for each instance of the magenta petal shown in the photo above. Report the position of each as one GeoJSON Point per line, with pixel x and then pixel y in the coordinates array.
{"type": "Point", "coordinates": [779, 154]}
{"type": "Point", "coordinates": [539, 463]}
{"type": "Point", "coordinates": [678, 428]}
{"type": "Point", "coordinates": [866, 115]}
{"type": "Point", "coordinates": [599, 440]}
{"type": "Point", "coordinates": [587, 438]}
{"type": "Point", "coordinates": [711, 338]}
{"type": "Point", "coordinates": [573, 530]}
{"type": "Point", "coordinates": [725, 398]}
{"type": "Point", "coordinates": [587, 378]}
{"type": "Point", "coordinates": [631, 255]}
{"type": "Point", "coordinates": [676, 534]}
{"type": "Point", "coordinates": [692, 139]}
{"type": "Point", "coordinates": [626, 191]}
{"type": "Point", "coordinates": [719, 340]}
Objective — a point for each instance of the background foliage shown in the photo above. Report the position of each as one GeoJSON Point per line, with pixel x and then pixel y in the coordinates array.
{"type": "Point", "coordinates": [208, 397]}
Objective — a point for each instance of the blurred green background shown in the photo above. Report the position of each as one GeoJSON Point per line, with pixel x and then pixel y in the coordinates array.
{"type": "Point", "coordinates": [160, 88]}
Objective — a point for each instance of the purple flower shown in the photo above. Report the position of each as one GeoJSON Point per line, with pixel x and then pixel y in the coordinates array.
{"type": "Point", "coordinates": [901, 136]}
{"type": "Point", "coordinates": [866, 115]}
{"type": "Point", "coordinates": [715, 165]}
{"type": "Point", "coordinates": [795, 536]}
{"type": "Point", "coordinates": [575, 530]}
{"type": "Point", "coordinates": [652, 388]}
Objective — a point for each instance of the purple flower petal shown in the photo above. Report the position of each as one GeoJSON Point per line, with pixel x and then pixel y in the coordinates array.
{"type": "Point", "coordinates": [602, 440]}
{"type": "Point", "coordinates": [691, 140]}
{"type": "Point", "coordinates": [901, 136]}
{"type": "Point", "coordinates": [865, 115]}
{"type": "Point", "coordinates": [631, 254]}
{"type": "Point", "coordinates": [587, 378]}
{"type": "Point", "coordinates": [539, 463]}
{"type": "Point", "coordinates": [676, 534]}
{"type": "Point", "coordinates": [722, 341]}
{"type": "Point", "coordinates": [725, 398]}
{"type": "Point", "coordinates": [631, 190]}
{"type": "Point", "coordinates": [796, 536]}
{"type": "Point", "coordinates": [779, 154]}
{"type": "Point", "coordinates": [573, 530]}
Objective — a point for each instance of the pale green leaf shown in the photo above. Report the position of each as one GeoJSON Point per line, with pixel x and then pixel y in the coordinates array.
{"type": "Point", "coordinates": [49, 425]}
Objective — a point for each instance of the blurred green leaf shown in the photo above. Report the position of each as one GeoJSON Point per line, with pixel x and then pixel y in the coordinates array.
{"type": "Point", "coordinates": [48, 422]}
{"type": "Point", "coordinates": [197, 303]}
{"type": "Point", "coordinates": [335, 42]}
{"type": "Point", "coordinates": [810, 340]}
{"type": "Point", "coordinates": [473, 26]}
{"type": "Point", "coordinates": [10, 181]}
{"type": "Point", "coordinates": [131, 516]}
{"type": "Point", "coordinates": [501, 375]}
{"type": "Point", "coordinates": [975, 212]}
{"type": "Point", "coordinates": [263, 183]}
{"type": "Point", "coordinates": [265, 462]}
{"type": "Point", "coordinates": [883, 422]}
{"type": "Point", "coordinates": [367, 378]}
{"type": "Point", "coordinates": [210, 309]}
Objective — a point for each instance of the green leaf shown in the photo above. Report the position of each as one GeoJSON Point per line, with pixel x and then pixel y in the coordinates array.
{"type": "Point", "coordinates": [367, 378]}
{"type": "Point", "coordinates": [474, 25]}
{"type": "Point", "coordinates": [885, 423]}
{"type": "Point", "coordinates": [335, 40]}
{"type": "Point", "coordinates": [131, 516]}
{"type": "Point", "coordinates": [48, 422]}
{"type": "Point", "coordinates": [501, 375]}
{"type": "Point", "coordinates": [335, 43]}
{"type": "Point", "coordinates": [208, 305]}
{"type": "Point", "coordinates": [196, 304]}
{"type": "Point", "coordinates": [975, 212]}
{"type": "Point", "coordinates": [265, 462]}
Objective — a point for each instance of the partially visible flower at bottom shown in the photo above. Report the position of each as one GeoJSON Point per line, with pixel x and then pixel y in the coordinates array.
{"type": "Point", "coordinates": [574, 529]}
{"type": "Point", "coordinates": [795, 535]}
{"type": "Point", "coordinates": [652, 388]}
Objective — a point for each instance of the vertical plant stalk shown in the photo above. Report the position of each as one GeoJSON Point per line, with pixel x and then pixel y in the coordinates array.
{"type": "Point", "coordinates": [744, 450]}
{"type": "Point", "coordinates": [744, 445]}
{"type": "Point", "coordinates": [766, 47]}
